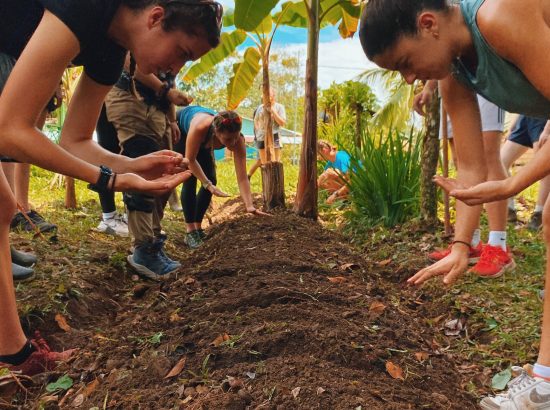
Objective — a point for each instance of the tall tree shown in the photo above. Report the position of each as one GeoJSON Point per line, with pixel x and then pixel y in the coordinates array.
{"type": "Point", "coordinates": [314, 14]}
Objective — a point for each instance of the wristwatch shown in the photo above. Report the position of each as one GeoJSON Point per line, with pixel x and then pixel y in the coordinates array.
{"type": "Point", "coordinates": [102, 184]}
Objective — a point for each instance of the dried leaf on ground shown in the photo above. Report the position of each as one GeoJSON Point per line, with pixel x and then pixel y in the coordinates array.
{"type": "Point", "coordinates": [421, 356]}
{"type": "Point", "coordinates": [177, 369]}
{"type": "Point", "coordinates": [336, 279]}
{"type": "Point", "coordinates": [377, 307]}
{"type": "Point", "coordinates": [220, 339]}
{"type": "Point", "coordinates": [394, 370]}
{"type": "Point", "coordinates": [320, 391]}
{"type": "Point", "coordinates": [348, 266]}
{"type": "Point", "coordinates": [385, 262]}
{"type": "Point", "coordinates": [62, 322]}
{"type": "Point", "coordinates": [295, 391]}
{"type": "Point", "coordinates": [454, 327]}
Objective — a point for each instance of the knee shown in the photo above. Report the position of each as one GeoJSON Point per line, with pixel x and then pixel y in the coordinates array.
{"type": "Point", "coordinates": [8, 208]}
{"type": "Point", "coordinates": [139, 202]}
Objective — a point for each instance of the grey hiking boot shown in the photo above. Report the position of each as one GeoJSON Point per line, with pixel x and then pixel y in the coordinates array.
{"type": "Point", "coordinates": [22, 258]}
{"type": "Point", "coordinates": [535, 222]}
{"type": "Point", "coordinates": [524, 392]}
{"type": "Point", "coordinates": [21, 273]}
{"type": "Point", "coordinates": [148, 262]}
{"type": "Point", "coordinates": [160, 240]}
{"type": "Point", "coordinates": [193, 239]}
{"type": "Point", "coordinates": [202, 234]}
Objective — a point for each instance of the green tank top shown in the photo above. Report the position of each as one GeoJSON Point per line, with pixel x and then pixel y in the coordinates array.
{"type": "Point", "coordinates": [496, 79]}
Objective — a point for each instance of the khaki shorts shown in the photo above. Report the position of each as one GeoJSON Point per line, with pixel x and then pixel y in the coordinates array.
{"type": "Point", "coordinates": [132, 117]}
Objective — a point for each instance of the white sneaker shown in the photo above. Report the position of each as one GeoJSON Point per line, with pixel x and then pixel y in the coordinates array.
{"type": "Point", "coordinates": [524, 393]}
{"type": "Point", "coordinates": [114, 226]}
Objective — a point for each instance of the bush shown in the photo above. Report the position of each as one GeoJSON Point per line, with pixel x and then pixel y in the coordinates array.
{"type": "Point", "coordinates": [385, 183]}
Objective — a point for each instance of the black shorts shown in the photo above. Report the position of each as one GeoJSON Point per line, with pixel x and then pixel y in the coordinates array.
{"type": "Point", "coordinates": [276, 142]}
{"type": "Point", "coordinates": [527, 131]}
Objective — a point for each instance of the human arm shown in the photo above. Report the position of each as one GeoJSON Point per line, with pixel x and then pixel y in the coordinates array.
{"type": "Point", "coordinates": [239, 158]}
{"type": "Point", "coordinates": [52, 47]}
{"type": "Point", "coordinates": [198, 131]}
{"type": "Point", "coordinates": [279, 117]}
{"type": "Point", "coordinates": [424, 98]}
{"type": "Point", "coordinates": [175, 132]}
{"type": "Point", "coordinates": [461, 104]}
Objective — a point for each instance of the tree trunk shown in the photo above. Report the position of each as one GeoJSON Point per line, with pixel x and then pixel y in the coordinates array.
{"type": "Point", "coordinates": [273, 186]}
{"type": "Point", "coordinates": [306, 193]}
{"type": "Point", "coordinates": [70, 193]}
{"type": "Point", "coordinates": [430, 156]}
{"type": "Point", "coordinates": [273, 176]}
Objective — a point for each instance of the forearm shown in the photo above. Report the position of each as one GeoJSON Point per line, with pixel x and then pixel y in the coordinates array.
{"type": "Point", "coordinates": [242, 178]}
{"type": "Point", "coordinates": [28, 145]}
{"type": "Point", "coordinates": [90, 151]}
{"type": "Point", "coordinates": [278, 119]}
{"type": "Point", "coordinates": [467, 217]}
{"type": "Point", "coordinates": [197, 171]}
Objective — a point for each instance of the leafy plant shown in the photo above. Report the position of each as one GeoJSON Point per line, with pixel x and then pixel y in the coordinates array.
{"type": "Point", "coordinates": [62, 384]}
{"type": "Point", "coordinates": [384, 184]}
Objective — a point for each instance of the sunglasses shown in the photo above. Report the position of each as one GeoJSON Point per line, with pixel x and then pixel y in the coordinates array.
{"type": "Point", "coordinates": [216, 7]}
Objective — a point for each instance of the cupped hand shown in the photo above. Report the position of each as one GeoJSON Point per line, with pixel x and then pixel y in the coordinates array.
{"type": "Point", "coordinates": [178, 97]}
{"type": "Point", "coordinates": [214, 190]}
{"type": "Point", "coordinates": [451, 267]}
{"type": "Point", "coordinates": [155, 187]}
{"type": "Point", "coordinates": [157, 164]}
{"type": "Point", "coordinates": [422, 100]}
{"type": "Point", "coordinates": [485, 192]}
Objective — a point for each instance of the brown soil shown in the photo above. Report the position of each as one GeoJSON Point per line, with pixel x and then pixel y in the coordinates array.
{"type": "Point", "coordinates": [293, 338]}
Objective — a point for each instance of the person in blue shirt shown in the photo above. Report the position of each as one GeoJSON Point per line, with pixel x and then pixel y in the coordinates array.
{"type": "Point", "coordinates": [334, 177]}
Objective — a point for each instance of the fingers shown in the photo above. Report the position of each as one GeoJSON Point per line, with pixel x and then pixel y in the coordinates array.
{"type": "Point", "coordinates": [422, 276]}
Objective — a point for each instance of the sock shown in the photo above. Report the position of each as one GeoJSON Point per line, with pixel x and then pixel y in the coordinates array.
{"type": "Point", "coordinates": [109, 215]}
{"type": "Point", "coordinates": [512, 204]}
{"type": "Point", "coordinates": [541, 371]}
{"type": "Point", "coordinates": [19, 357]}
{"type": "Point", "coordinates": [476, 238]}
{"type": "Point", "coordinates": [497, 238]}
{"type": "Point", "coordinates": [539, 208]}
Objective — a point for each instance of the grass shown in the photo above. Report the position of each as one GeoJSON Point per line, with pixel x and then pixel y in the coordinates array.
{"type": "Point", "coordinates": [503, 315]}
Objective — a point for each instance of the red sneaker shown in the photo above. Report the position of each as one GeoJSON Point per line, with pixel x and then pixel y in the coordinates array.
{"type": "Point", "coordinates": [473, 256]}
{"type": "Point", "coordinates": [41, 360]}
{"type": "Point", "coordinates": [494, 262]}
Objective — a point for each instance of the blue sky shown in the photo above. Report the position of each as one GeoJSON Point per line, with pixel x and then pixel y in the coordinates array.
{"type": "Point", "coordinates": [339, 60]}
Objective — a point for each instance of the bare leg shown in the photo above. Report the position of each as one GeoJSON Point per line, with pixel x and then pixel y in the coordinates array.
{"type": "Point", "coordinates": [254, 168]}
{"type": "Point", "coordinates": [263, 156]}
{"type": "Point", "coordinates": [277, 156]}
{"type": "Point", "coordinates": [544, 352]}
{"type": "Point", "coordinates": [544, 190]}
{"type": "Point", "coordinates": [12, 337]}
{"type": "Point", "coordinates": [496, 211]}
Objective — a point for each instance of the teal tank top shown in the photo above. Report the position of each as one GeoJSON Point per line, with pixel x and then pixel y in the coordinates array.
{"type": "Point", "coordinates": [496, 79]}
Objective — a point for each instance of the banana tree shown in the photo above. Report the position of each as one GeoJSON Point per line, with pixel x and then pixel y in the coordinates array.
{"type": "Point", "coordinates": [252, 19]}
{"type": "Point", "coordinates": [315, 14]}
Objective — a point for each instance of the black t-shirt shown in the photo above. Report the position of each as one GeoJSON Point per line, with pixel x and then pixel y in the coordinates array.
{"type": "Point", "coordinates": [89, 21]}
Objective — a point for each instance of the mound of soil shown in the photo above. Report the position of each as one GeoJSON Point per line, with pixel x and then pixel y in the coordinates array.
{"type": "Point", "coordinates": [270, 313]}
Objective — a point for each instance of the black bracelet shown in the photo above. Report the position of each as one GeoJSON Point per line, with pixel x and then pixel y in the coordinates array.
{"type": "Point", "coordinates": [102, 184]}
{"type": "Point", "coordinates": [462, 242]}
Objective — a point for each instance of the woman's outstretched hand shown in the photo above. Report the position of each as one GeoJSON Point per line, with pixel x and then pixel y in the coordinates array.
{"type": "Point", "coordinates": [489, 191]}
{"type": "Point", "coordinates": [158, 186]}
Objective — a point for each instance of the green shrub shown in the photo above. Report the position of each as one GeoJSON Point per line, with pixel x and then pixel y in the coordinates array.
{"type": "Point", "coordinates": [385, 182]}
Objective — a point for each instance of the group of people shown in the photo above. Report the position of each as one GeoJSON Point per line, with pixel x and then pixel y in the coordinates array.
{"type": "Point", "coordinates": [494, 49]}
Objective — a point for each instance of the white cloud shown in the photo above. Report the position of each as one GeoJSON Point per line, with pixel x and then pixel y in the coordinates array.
{"type": "Point", "coordinates": [339, 60]}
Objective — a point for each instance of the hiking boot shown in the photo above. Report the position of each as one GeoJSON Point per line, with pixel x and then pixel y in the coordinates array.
{"type": "Point", "coordinates": [41, 359]}
{"type": "Point", "coordinates": [202, 234]}
{"type": "Point", "coordinates": [193, 239]}
{"type": "Point", "coordinates": [535, 223]}
{"type": "Point", "coordinates": [21, 273]}
{"type": "Point", "coordinates": [524, 392]}
{"type": "Point", "coordinates": [160, 240]}
{"type": "Point", "coordinates": [20, 223]}
{"type": "Point", "coordinates": [493, 262]}
{"type": "Point", "coordinates": [512, 215]}
{"type": "Point", "coordinates": [22, 258]}
{"type": "Point", "coordinates": [473, 256]}
{"type": "Point", "coordinates": [116, 226]}
{"type": "Point", "coordinates": [148, 261]}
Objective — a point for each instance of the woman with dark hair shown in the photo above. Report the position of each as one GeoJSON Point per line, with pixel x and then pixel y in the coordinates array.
{"type": "Point", "coordinates": [202, 131]}
{"type": "Point", "coordinates": [44, 37]}
{"type": "Point", "coordinates": [498, 49]}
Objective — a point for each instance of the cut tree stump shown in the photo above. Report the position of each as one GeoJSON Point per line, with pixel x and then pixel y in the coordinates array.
{"type": "Point", "coordinates": [273, 185]}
